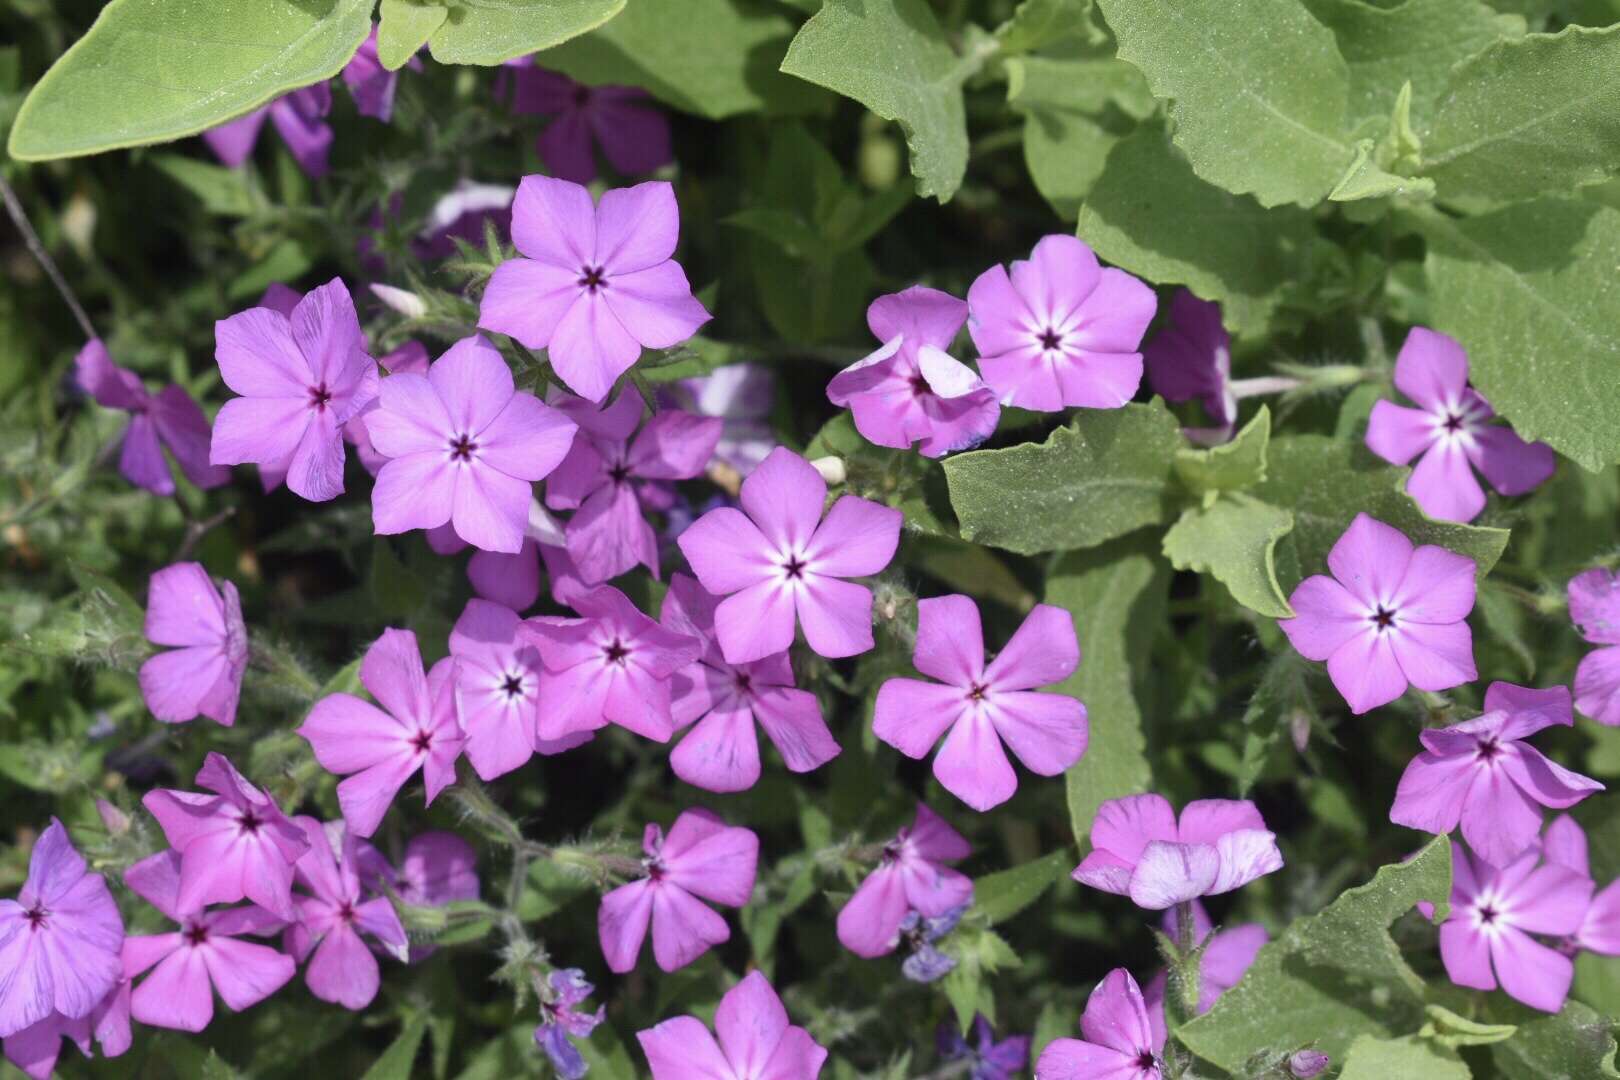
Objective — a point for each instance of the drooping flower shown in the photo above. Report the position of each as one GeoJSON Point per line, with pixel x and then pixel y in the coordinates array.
{"type": "Point", "coordinates": [911, 389]}
{"type": "Point", "coordinates": [1480, 774]}
{"type": "Point", "coordinates": [596, 284]}
{"type": "Point", "coordinates": [633, 137]}
{"type": "Point", "coordinates": [1594, 607]}
{"type": "Point", "coordinates": [1565, 845]}
{"type": "Point", "coordinates": [465, 447]}
{"type": "Point", "coordinates": [377, 750]}
{"type": "Point", "coordinates": [1390, 615]}
{"type": "Point", "coordinates": [336, 912]}
{"type": "Point", "coordinates": [35, 1049]}
{"type": "Point", "coordinates": [721, 752]}
{"type": "Point", "coordinates": [299, 117]}
{"type": "Point", "coordinates": [1191, 359]}
{"type": "Point", "coordinates": [202, 676]}
{"type": "Point", "coordinates": [912, 876]}
{"type": "Point", "coordinates": [409, 358]}
{"type": "Point", "coordinates": [1139, 850]}
{"type": "Point", "coordinates": [1451, 433]}
{"type": "Point", "coordinates": [561, 1020]}
{"type": "Point", "coordinates": [985, 706]}
{"type": "Point", "coordinates": [784, 562]}
{"type": "Point", "coordinates": [756, 1041]}
{"type": "Point", "coordinates": [232, 845]}
{"type": "Point", "coordinates": [702, 857]}
{"type": "Point", "coordinates": [203, 956]}
{"type": "Point", "coordinates": [989, 1059]}
{"type": "Point", "coordinates": [59, 939]}
{"type": "Point", "coordinates": [1225, 958]}
{"type": "Point", "coordinates": [1119, 1042]}
{"type": "Point", "coordinates": [372, 84]}
{"type": "Point", "coordinates": [927, 963]}
{"type": "Point", "coordinates": [301, 378]}
{"type": "Point", "coordinates": [741, 395]}
{"type": "Point", "coordinates": [1060, 330]}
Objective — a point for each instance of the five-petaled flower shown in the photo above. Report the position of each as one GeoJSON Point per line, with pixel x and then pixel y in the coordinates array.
{"type": "Point", "coordinates": [1120, 1042]}
{"type": "Point", "coordinates": [911, 875]}
{"type": "Point", "coordinates": [562, 1021]}
{"type": "Point", "coordinates": [756, 1041]}
{"type": "Point", "coordinates": [202, 675]}
{"type": "Point", "coordinates": [299, 118]}
{"type": "Point", "coordinates": [336, 912]}
{"type": "Point", "coordinates": [634, 138]}
{"type": "Point", "coordinates": [1191, 359]}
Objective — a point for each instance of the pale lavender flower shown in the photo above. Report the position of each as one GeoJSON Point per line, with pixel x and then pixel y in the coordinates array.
{"type": "Point", "coordinates": [1594, 608]}
{"type": "Point", "coordinates": [299, 117]}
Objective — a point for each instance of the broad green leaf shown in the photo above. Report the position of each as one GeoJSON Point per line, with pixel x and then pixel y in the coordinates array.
{"type": "Point", "coordinates": [1235, 539]}
{"type": "Point", "coordinates": [1258, 86]}
{"type": "Point", "coordinates": [998, 897]}
{"type": "Point", "coordinates": [1036, 24]}
{"type": "Point", "coordinates": [1573, 1044]}
{"type": "Point", "coordinates": [1074, 110]}
{"type": "Point", "coordinates": [1597, 982]}
{"type": "Point", "coordinates": [395, 1062]}
{"type": "Point", "coordinates": [1232, 466]}
{"type": "Point", "coordinates": [490, 32]}
{"type": "Point", "coordinates": [979, 952]}
{"type": "Point", "coordinates": [1372, 1058]}
{"type": "Point", "coordinates": [1105, 473]}
{"type": "Point", "coordinates": [970, 569]}
{"type": "Point", "coordinates": [152, 70]}
{"type": "Point", "coordinates": [228, 192]}
{"type": "Point", "coordinates": [404, 26]}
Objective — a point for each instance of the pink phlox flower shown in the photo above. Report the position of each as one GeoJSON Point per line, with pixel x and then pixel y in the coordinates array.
{"type": "Point", "coordinates": [634, 138]}
{"type": "Point", "coordinates": [1119, 1041]}
{"type": "Point", "coordinates": [284, 298]}
{"type": "Point", "coordinates": [334, 914]}
{"type": "Point", "coordinates": [411, 358]}
{"type": "Point", "coordinates": [1565, 845]}
{"type": "Point", "coordinates": [742, 396]}
{"type": "Point", "coordinates": [912, 875]}
{"type": "Point", "coordinates": [1191, 360]}
{"type": "Point", "coordinates": [202, 675]}
{"type": "Point", "coordinates": [35, 1049]}
{"type": "Point", "coordinates": [756, 1041]}
{"type": "Point", "coordinates": [1594, 607]}
{"type": "Point", "coordinates": [438, 868]}
{"type": "Point", "coordinates": [990, 1059]}
{"type": "Point", "coordinates": [512, 580]}
{"type": "Point", "coordinates": [372, 84]}
{"type": "Point", "coordinates": [561, 1021]}
{"type": "Point", "coordinates": [1226, 958]}
{"type": "Point", "coordinates": [299, 118]}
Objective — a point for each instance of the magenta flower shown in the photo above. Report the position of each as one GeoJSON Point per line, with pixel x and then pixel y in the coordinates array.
{"type": "Point", "coordinates": [1060, 330]}
{"type": "Point", "coordinates": [35, 1049]}
{"type": "Point", "coordinates": [1452, 431]}
{"type": "Point", "coordinates": [59, 939]}
{"type": "Point", "coordinates": [1478, 773]}
{"type": "Point", "coordinates": [1139, 850]}
{"type": "Point", "coordinates": [988, 1059]}
{"type": "Point", "coordinates": [597, 284]}
{"type": "Point", "coordinates": [1594, 607]}
{"type": "Point", "coordinates": [741, 396]}
{"type": "Point", "coordinates": [170, 419]}
{"type": "Point", "coordinates": [202, 957]}
{"type": "Point", "coordinates": [1226, 957]}
{"type": "Point", "coordinates": [235, 844]}
{"type": "Point", "coordinates": [438, 868]}
{"type": "Point", "coordinates": [202, 676]}
{"type": "Point", "coordinates": [781, 564]}
{"type": "Point", "coordinates": [984, 707]}
{"type": "Point", "coordinates": [1191, 359]}
{"type": "Point", "coordinates": [372, 84]}
{"type": "Point", "coordinates": [332, 917]}
{"type": "Point", "coordinates": [299, 118]}
{"type": "Point", "coordinates": [756, 1041]}
{"type": "Point", "coordinates": [721, 752]}
{"type": "Point", "coordinates": [912, 876]}
{"type": "Point", "coordinates": [633, 138]}
{"type": "Point", "coordinates": [1493, 914]}
{"type": "Point", "coordinates": [465, 446]}
{"type": "Point", "coordinates": [911, 389]}
{"type": "Point", "coordinates": [702, 857]}
{"type": "Point", "coordinates": [409, 358]}
{"type": "Point", "coordinates": [561, 1021]}
{"type": "Point", "coordinates": [1565, 845]}
{"type": "Point", "coordinates": [1119, 1043]}
{"type": "Point", "coordinates": [1389, 616]}
{"type": "Point", "coordinates": [301, 379]}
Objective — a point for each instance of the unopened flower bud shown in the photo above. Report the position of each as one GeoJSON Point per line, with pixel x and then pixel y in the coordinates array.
{"type": "Point", "coordinates": [1299, 728]}
{"type": "Point", "coordinates": [831, 469]}
{"type": "Point", "coordinates": [1304, 1064]}
{"type": "Point", "coordinates": [116, 820]}
{"type": "Point", "coordinates": [402, 301]}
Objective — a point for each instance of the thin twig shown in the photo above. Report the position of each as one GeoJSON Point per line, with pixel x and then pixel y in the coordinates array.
{"type": "Point", "coordinates": [196, 530]}
{"type": "Point", "coordinates": [19, 217]}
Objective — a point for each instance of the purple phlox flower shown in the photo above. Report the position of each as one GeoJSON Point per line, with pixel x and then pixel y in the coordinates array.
{"type": "Point", "coordinates": [633, 137]}
{"type": "Point", "coordinates": [982, 706]}
{"type": "Point", "coordinates": [510, 580]}
{"type": "Point", "coordinates": [702, 857]}
{"type": "Point", "coordinates": [1390, 615]}
{"type": "Point", "coordinates": [170, 418]}
{"type": "Point", "coordinates": [1307, 1064]}
{"type": "Point", "coordinates": [498, 686]}
{"type": "Point", "coordinates": [301, 378]}
{"type": "Point", "coordinates": [438, 868]}
{"type": "Point", "coordinates": [465, 447]}
{"type": "Point", "coordinates": [777, 560]}
{"type": "Point", "coordinates": [300, 119]}
{"type": "Point", "coordinates": [596, 284]}
{"type": "Point", "coordinates": [372, 84]}
{"type": "Point", "coordinates": [1493, 914]}
{"type": "Point", "coordinates": [1191, 359]}
{"type": "Point", "coordinates": [612, 666]}
{"type": "Point", "coordinates": [336, 912]}
{"type": "Point", "coordinates": [203, 956]}
{"type": "Point", "coordinates": [742, 396]}
{"type": "Point", "coordinates": [1140, 850]}
{"type": "Point", "coordinates": [991, 1060]}
{"type": "Point", "coordinates": [409, 358]}
{"type": "Point", "coordinates": [232, 845]}
{"type": "Point", "coordinates": [1119, 1041]}
{"type": "Point", "coordinates": [202, 675]}
{"type": "Point", "coordinates": [283, 298]}
{"type": "Point", "coordinates": [378, 750]}
{"type": "Point", "coordinates": [1480, 773]}
{"type": "Point", "coordinates": [1594, 607]}
{"type": "Point", "coordinates": [59, 939]}
{"type": "Point", "coordinates": [911, 389]}
{"type": "Point", "coordinates": [912, 875]}
{"type": "Point", "coordinates": [721, 752]}
{"type": "Point", "coordinates": [35, 1049]}
{"type": "Point", "coordinates": [756, 1041]}
{"type": "Point", "coordinates": [926, 963]}
{"type": "Point", "coordinates": [1060, 330]}
{"type": "Point", "coordinates": [1226, 957]}
{"type": "Point", "coordinates": [561, 1020]}
{"type": "Point", "coordinates": [1452, 431]}
{"type": "Point", "coordinates": [1565, 845]}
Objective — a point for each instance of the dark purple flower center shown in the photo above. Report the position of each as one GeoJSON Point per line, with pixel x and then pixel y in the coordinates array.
{"type": "Point", "coordinates": [615, 652]}
{"type": "Point", "coordinates": [582, 96]}
{"type": "Point", "coordinates": [977, 692]}
{"type": "Point", "coordinates": [1489, 749]}
{"type": "Point", "coordinates": [593, 278]}
{"type": "Point", "coordinates": [655, 868]}
{"type": "Point", "coordinates": [1146, 1060]}
{"type": "Point", "coordinates": [422, 740]}
{"type": "Point", "coordinates": [346, 912]}
{"type": "Point", "coordinates": [1454, 422]}
{"type": "Point", "coordinates": [1383, 618]}
{"type": "Point", "coordinates": [35, 916]}
{"type": "Point", "coordinates": [249, 822]}
{"type": "Point", "coordinates": [794, 567]}
{"type": "Point", "coordinates": [462, 448]}
{"type": "Point", "coordinates": [619, 472]}
{"type": "Point", "coordinates": [919, 385]}
{"type": "Point", "coordinates": [744, 682]}
{"type": "Point", "coordinates": [512, 686]}
{"type": "Point", "coordinates": [195, 934]}
{"type": "Point", "coordinates": [1051, 339]}
{"type": "Point", "coordinates": [1487, 914]}
{"type": "Point", "coordinates": [320, 396]}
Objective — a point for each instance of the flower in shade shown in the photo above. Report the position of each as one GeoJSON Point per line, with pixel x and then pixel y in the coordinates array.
{"type": "Point", "coordinates": [633, 137]}
{"type": "Point", "coordinates": [1594, 607]}
{"type": "Point", "coordinates": [35, 1049]}
{"type": "Point", "coordinates": [465, 447]}
{"type": "Point", "coordinates": [1191, 359]}
{"type": "Point", "coordinates": [721, 752]}
{"type": "Point", "coordinates": [982, 706]}
{"type": "Point", "coordinates": [59, 939]}
{"type": "Point", "coordinates": [378, 750]}
{"type": "Point", "coordinates": [510, 580]}
{"type": "Point", "coordinates": [169, 419]}
{"type": "Point", "coordinates": [741, 395]}
{"type": "Point", "coordinates": [412, 358]}
{"type": "Point", "coordinates": [1451, 433]}
{"type": "Point", "coordinates": [1060, 330]}
{"type": "Point", "coordinates": [911, 389]}
{"type": "Point", "coordinates": [1226, 956]}
{"type": "Point", "coordinates": [1494, 912]}
{"type": "Point", "coordinates": [372, 84]}
{"type": "Point", "coordinates": [596, 284]}
{"type": "Point", "coordinates": [301, 378]}
{"type": "Point", "coordinates": [701, 858]}
{"type": "Point", "coordinates": [777, 560]}
{"type": "Point", "coordinates": [1565, 845]}
{"type": "Point", "coordinates": [1307, 1064]}
{"type": "Point", "coordinates": [299, 118]}
{"type": "Point", "coordinates": [927, 963]}
{"type": "Point", "coordinates": [912, 875]}
{"type": "Point", "coordinates": [988, 1059]}
{"type": "Point", "coordinates": [1480, 774]}
{"type": "Point", "coordinates": [438, 868]}
{"type": "Point", "coordinates": [1390, 615]}
{"type": "Point", "coordinates": [1119, 1040]}
{"type": "Point", "coordinates": [336, 912]}
{"type": "Point", "coordinates": [234, 844]}
{"type": "Point", "coordinates": [756, 1041]}
{"type": "Point", "coordinates": [1140, 850]}
{"type": "Point", "coordinates": [202, 675]}
{"type": "Point", "coordinates": [561, 1021]}
{"type": "Point", "coordinates": [204, 956]}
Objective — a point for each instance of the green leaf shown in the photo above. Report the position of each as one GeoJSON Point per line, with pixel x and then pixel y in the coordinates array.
{"type": "Point", "coordinates": [1075, 110]}
{"type": "Point", "coordinates": [1036, 24]}
{"type": "Point", "coordinates": [1102, 475]}
{"type": "Point", "coordinates": [1365, 179]}
{"type": "Point", "coordinates": [1452, 1031]}
{"type": "Point", "coordinates": [395, 1062]}
{"type": "Point", "coordinates": [1372, 1058]}
{"type": "Point", "coordinates": [403, 27]}
{"type": "Point", "coordinates": [1232, 466]}
{"type": "Point", "coordinates": [978, 952]}
{"type": "Point", "coordinates": [1572, 1044]}
{"type": "Point", "coordinates": [999, 896]}
{"type": "Point", "coordinates": [606, 1056]}
{"type": "Point", "coordinates": [1259, 90]}
{"type": "Point", "coordinates": [971, 569]}
{"type": "Point", "coordinates": [228, 192]}
{"type": "Point", "coordinates": [490, 32]}
{"type": "Point", "coordinates": [1235, 539]}
{"type": "Point", "coordinates": [151, 70]}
